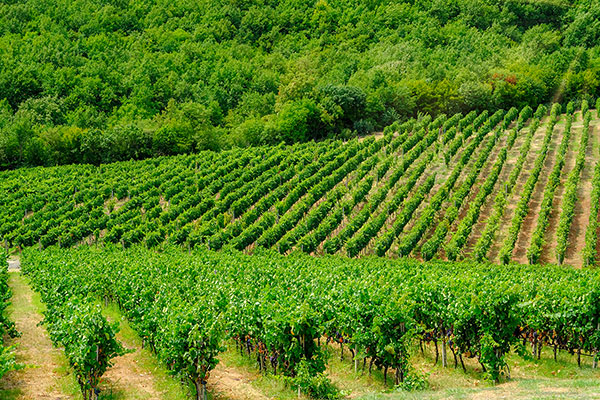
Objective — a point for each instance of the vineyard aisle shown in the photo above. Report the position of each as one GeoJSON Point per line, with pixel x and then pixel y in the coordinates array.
{"type": "Point", "coordinates": [581, 219]}
{"type": "Point", "coordinates": [47, 373]}
{"type": "Point", "coordinates": [137, 374]}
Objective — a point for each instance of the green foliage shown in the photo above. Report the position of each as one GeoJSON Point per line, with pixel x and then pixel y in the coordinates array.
{"type": "Point", "coordinates": [316, 385]}
{"type": "Point", "coordinates": [537, 240]}
{"type": "Point", "coordinates": [78, 326]}
{"type": "Point", "coordinates": [93, 82]}
{"type": "Point", "coordinates": [527, 190]}
{"type": "Point", "coordinates": [88, 339]}
{"type": "Point", "coordinates": [414, 381]}
{"type": "Point", "coordinates": [365, 196]}
{"type": "Point", "coordinates": [570, 196]}
{"type": "Point", "coordinates": [463, 230]}
{"type": "Point", "coordinates": [591, 233]}
{"type": "Point", "coordinates": [488, 235]}
{"type": "Point", "coordinates": [585, 106]}
{"type": "Point", "coordinates": [8, 362]}
{"type": "Point", "coordinates": [276, 310]}
{"type": "Point", "coordinates": [189, 342]}
{"type": "Point", "coordinates": [7, 327]}
{"type": "Point", "coordinates": [540, 112]}
{"type": "Point", "coordinates": [297, 121]}
{"type": "Point", "coordinates": [411, 239]}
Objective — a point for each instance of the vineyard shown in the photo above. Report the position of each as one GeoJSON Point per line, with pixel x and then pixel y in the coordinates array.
{"type": "Point", "coordinates": [282, 312]}
{"type": "Point", "coordinates": [299, 200]}
{"type": "Point", "coordinates": [516, 186]}
{"type": "Point", "coordinates": [384, 248]}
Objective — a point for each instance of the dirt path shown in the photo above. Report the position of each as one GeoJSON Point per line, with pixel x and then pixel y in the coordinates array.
{"type": "Point", "coordinates": [574, 255]}
{"type": "Point", "coordinates": [127, 378]}
{"type": "Point", "coordinates": [137, 375]}
{"type": "Point", "coordinates": [46, 376]}
{"type": "Point", "coordinates": [488, 206]}
{"type": "Point", "coordinates": [441, 213]}
{"type": "Point", "coordinates": [506, 220]}
{"type": "Point", "coordinates": [473, 193]}
{"type": "Point", "coordinates": [481, 178]}
{"type": "Point", "coordinates": [548, 254]}
{"type": "Point", "coordinates": [230, 383]}
{"type": "Point", "coordinates": [14, 265]}
{"type": "Point", "coordinates": [535, 203]}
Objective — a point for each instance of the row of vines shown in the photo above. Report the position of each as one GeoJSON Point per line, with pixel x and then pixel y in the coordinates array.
{"type": "Point", "coordinates": [282, 311]}
{"type": "Point", "coordinates": [418, 190]}
{"type": "Point", "coordinates": [7, 327]}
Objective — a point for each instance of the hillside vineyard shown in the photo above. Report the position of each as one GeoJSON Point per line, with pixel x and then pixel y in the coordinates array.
{"type": "Point", "coordinates": [516, 186]}
{"type": "Point", "coordinates": [283, 311]}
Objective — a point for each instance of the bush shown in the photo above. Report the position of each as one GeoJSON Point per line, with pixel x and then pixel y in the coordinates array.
{"type": "Point", "coordinates": [317, 386]}
{"type": "Point", "coordinates": [298, 121]}
{"type": "Point", "coordinates": [364, 126]}
{"type": "Point", "coordinates": [414, 381]}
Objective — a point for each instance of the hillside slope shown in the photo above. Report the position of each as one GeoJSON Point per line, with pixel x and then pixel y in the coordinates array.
{"type": "Point", "coordinates": [476, 186]}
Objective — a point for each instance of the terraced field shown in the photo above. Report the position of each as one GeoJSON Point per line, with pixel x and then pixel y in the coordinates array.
{"type": "Point", "coordinates": [518, 186]}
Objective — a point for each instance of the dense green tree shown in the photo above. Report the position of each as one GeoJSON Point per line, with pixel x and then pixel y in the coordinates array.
{"type": "Point", "coordinates": [142, 78]}
{"type": "Point", "coordinates": [298, 121]}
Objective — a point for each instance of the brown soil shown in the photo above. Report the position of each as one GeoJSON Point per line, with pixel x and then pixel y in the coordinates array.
{"type": "Point", "coordinates": [488, 206]}
{"type": "Point", "coordinates": [574, 255]}
{"type": "Point", "coordinates": [233, 384]}
{"type": "Point", "coordinates": [511, 390]}
{"type": "Point", "coordinates": [483, 175]}
{"type": "Point", "coordinates": [377, 135]}
{"type": "Point", "coordinates": [112, 205]}
{"type": "Point", "coordinates": [536, 145]}
{"type": "Point", "coordinates": [463, 175]}
{"type": "Point", "coordinates": [126, 376]}
{"type": "Point", "coordinates": [377, 185]}
{"type": "Point", "coordinates": [548, 254]}
{"type": "Point", "coordinates": [346, 181]}
{"type": "Point", "coordinates": [439, 181]}
{"type": "Point", "coordinates": [437, 168]}
{"type": "Point", "coordinates": [459, 181]}
{"type": "Point", "coordinates": [535, 203]}
{"type": "Point", "coordinates": [163, 203]}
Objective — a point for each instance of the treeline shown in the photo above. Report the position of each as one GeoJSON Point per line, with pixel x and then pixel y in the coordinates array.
{"type": "Point", "coordinates": [128, 79]}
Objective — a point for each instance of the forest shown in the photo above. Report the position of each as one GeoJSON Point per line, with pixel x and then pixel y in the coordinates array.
{"type": "Point", "coordinates": [93, 82]}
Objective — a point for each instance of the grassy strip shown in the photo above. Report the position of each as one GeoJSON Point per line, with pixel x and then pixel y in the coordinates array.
{"type": "Point", "coordinates": [25, 302]}
{"type": "Point", "coordinates": [169, 387]}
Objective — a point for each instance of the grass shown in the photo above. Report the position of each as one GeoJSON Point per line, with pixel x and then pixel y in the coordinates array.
{"type": "Point", "coordinates": [27, 302]}
{"type": "Point", "coordinates": [67, 383]}
{"type": "Point", "coordinates": [270, 385]}
{"type": "Point", "coordinates": [531, 378]}
{"type": "Point", "coordinates": [169, 387]}
{"type": "Point", "coordinates": [10, 394]}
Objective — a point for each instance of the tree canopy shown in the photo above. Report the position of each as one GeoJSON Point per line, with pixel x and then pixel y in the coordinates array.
{"type": "Point", "coordinates": [88, 81]}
